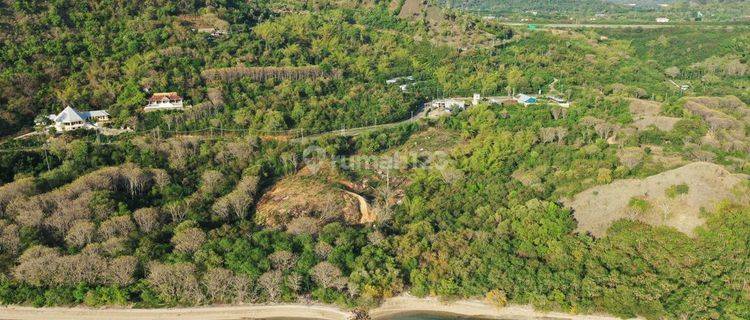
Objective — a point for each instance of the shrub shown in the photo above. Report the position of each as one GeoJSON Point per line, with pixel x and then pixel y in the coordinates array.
{"type": "Point", "coordinates": [676, 190]}
{"type": "Point", "coordinates": [640, 205]}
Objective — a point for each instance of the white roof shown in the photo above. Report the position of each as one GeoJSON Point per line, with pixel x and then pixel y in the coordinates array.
{"type": "Point", "coordinates": [523, 97]}
{"type": "Point", "coordinates": [94, 113]}
{"type": "Point", "coordinates": [68, 115]}
{"type": "Point", "coordinates": [72, 115]}
{"type": "Point", "coordinates": [451, 100]}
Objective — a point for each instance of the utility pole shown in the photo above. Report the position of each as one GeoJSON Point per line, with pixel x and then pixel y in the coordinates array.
{"type": "Point", "coordinates": [46, 159]}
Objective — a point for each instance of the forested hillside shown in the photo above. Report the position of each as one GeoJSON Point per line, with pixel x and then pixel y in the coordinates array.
{"type": "Point", "coordinates": [274, 186]}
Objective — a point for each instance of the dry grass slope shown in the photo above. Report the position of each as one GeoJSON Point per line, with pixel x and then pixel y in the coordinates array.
{"type": "Point", "coordinates": [302, 204]}
{"type": "Point", "coordinates": [708, 184]}
{"type": "Point", "coordinates": [646, 114]}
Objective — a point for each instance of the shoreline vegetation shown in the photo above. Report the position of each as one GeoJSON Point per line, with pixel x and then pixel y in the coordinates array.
{"type": "Point", "coordinates": [392, 308]}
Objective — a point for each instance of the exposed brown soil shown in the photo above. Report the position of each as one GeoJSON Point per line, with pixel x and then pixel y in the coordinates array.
{"type": "Point", "coordinates": [598, 207]}
{"type": "Point", "coordinates": [308, 198]}
{"type": "Point", "coordinates": [646, 114]}
{"type": "Point", "coordinates": [411, 9]}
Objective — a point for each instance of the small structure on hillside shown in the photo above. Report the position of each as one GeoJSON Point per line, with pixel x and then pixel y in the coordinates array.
{"type": "Point", "coordinates": [560, 101]}
{"type": "Point", "coordinates": [164, 101]}
{"type": "Point", "coordinates": [449, 104]}
{"type": "Point", "coordinates": [662, 20]}
{"type": "Point", "coordinates": [397, 79]}
{"type": "Point", "coordinates": [71, 119]}
{"type": "Point", "coordinates": [526, 99]}
{"type": "Point", "coordinates": [476, 99]}
{"type": "Point", "coordinates": [214, 32]}
{"type": "Point", "coordinates": [403, 82]}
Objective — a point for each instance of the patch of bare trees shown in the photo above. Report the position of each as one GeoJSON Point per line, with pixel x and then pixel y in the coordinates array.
{"type": "Point", "coordinates": [175, 282]}
{"type": "Point", "coordinates": [10, 239]}
{"type": "Point", "coordinates": [119, 226]}
{"type": "Point", "coordinates": [239, 153]}
{"type": "Point", "coordinates": [272, 283]}
{"type": "Point", "coordinates": [61, 208]}
{"type": "Point", "coordinates": [81, 234]}
{"type": "Point", "coordinates": [147, 219]}
{"type": "Point", "coordinates": [547, 135]}
{"type": "Point", "coordinates": [41, 265]}
{"type": "Point", "coordinates": [283, 260]}
{"type": "Point", "coordinates": [14, 190]}
{"type": "Point", "coordinates": [327, 275]}
{"type": "Point", "coordinates": [303, 225]}
{"type": "Point", "coordinates": [730, 66]}
{"type": "Point", "coordinates": [179, 150]}
{"type": "Point", "coordinates": [223, 286]}
{"type": "Point", "coordinates": [323, 249]}
{"type": "Point", "coordinates": [264, 73]}
{"type": "Point", "coordinates": [188, 240]}
{"type": "Point", "coordinates": [559, 112]}
{"type": "Point", "coordinates": [600, 127]}
{"type": "Point", "coordinates": [237, 203]}
{"type": "Point", "coordinates": [211, 182]}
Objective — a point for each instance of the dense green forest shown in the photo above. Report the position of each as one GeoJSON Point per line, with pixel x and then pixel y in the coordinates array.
{"type": "Point", "coordinates": [222, 203]}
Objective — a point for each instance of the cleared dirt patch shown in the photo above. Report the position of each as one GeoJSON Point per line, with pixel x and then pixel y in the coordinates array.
{"type": "Point", "coordinates": [643, 108]}
{"type": "Point", "coordinates": [660, 122]}
{"type": "Point", "coordinates": [304, 203]}
{"type": "Point", "coordinates": [411, 9]}
{"type": "Point", "coordinates": [647, 199]}
{"type": "Point", "coordinates": [430, 140]}
{"type": "Point", "coordinates": [646, 114]}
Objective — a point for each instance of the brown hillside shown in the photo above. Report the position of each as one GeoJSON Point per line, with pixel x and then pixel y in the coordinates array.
{"type": "Point", "coordinates": [708, 184]}
{"type": "Point", "coordinates": [305, 202]}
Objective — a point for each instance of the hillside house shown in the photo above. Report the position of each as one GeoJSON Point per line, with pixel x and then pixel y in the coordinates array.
{"type": "Point", "coordinates": [449, 104]}
{"type": "Point", "coordinates": [662, 20]}
{"type": "Point", "coordinates": [398, 79]}
{"type": "Point", "coordinates": [71, 119]}
{"type": "Point", "coordinates": [526, 99]}
{"type": "Point", "coordinates": [164, 101]}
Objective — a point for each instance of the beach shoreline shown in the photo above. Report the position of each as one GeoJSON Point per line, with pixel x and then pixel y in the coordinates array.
{"type": "Point", "coordinates": [390, 309]}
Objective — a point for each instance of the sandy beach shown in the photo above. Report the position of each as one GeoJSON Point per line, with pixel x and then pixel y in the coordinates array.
{"type": "Point", "coordinates": [391, 308]}
{"type": "Point", "coordinates": [469, 308]}
{"type": "Point", "coordinates": [298, 311]}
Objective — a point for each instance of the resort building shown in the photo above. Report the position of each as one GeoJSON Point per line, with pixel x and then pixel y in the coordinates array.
{"type": "Point", "coordinates": [525, 99]}
{"type": "Point", "coordinates": [449, 104]}
{"type": "Point", "coordinates": [164, 101]}
{"type": "Point", "coordinates": [71, 119]}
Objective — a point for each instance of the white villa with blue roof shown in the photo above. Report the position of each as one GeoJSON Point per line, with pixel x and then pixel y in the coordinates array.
{"type": "Point", "coordinates": [526, 99]}
{"type": "Point", "coordinates": [71, 119]}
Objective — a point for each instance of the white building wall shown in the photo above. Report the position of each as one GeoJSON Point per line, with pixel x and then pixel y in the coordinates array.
{"type": "Point", "coordinates": [164, 106]}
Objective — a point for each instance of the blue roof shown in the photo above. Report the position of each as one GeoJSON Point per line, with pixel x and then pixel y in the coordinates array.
{"type": "Point", "coordinates": [526, 99]}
